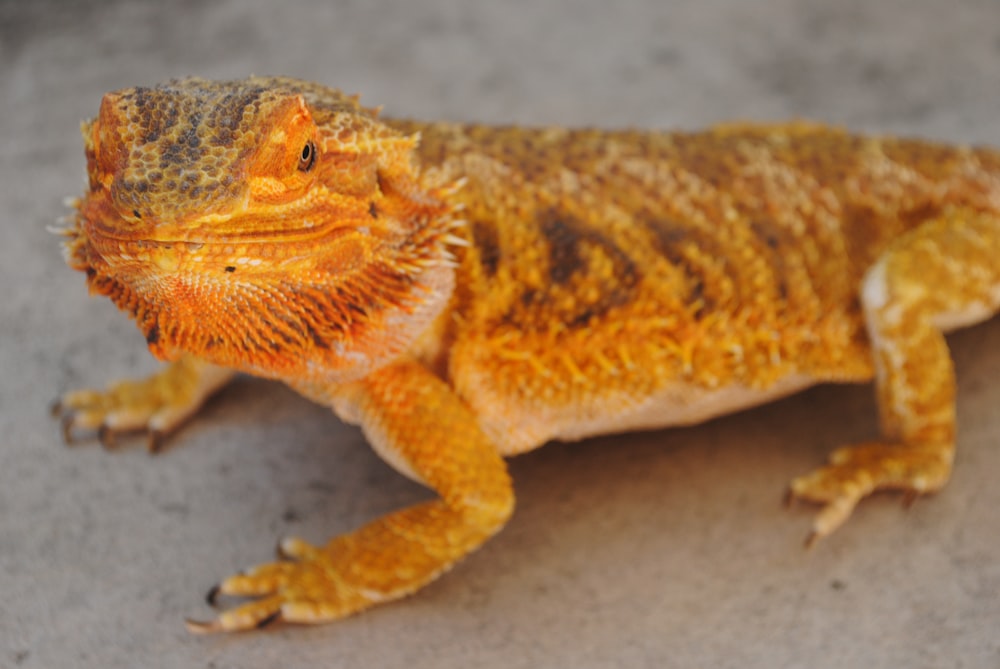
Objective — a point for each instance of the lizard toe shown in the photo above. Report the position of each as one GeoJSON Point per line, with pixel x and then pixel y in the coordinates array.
{"type": "Point", "coordinates": [293, 548]}
{"type": "Point", "coordinates": [252, 615]}
{"type": "Point", "coordinates": [155, 406]}
{"type": "Point", "coordinates": [854, 472]}
{"type": "Point", "coordinates": [311, 590]}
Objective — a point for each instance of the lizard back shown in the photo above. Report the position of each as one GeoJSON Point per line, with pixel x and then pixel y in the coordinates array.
{"type": "Point", "coordinates": [680, 262]}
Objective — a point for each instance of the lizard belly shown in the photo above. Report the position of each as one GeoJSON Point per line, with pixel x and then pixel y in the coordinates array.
{"type": "Point", "coordinates": [517, 426]}
{"type": "Point", "coordinates": [680, 404]}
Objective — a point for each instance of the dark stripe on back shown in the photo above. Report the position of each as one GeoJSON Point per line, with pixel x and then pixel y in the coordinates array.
{"type": "Point", "coordinates": [578, 287]}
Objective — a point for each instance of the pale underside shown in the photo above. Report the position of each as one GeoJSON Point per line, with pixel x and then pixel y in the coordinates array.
{"type": "Point", "coordinates": [677, 403]}
{"type": "Point", "coordinates": [674, 405]}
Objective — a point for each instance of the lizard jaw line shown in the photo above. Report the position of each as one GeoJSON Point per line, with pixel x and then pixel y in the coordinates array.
{"type": "Point", "coordinates": [302, 235]}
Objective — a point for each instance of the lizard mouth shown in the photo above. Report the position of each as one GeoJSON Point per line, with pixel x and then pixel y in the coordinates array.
{"type": "Point", "coordinates": [122, 252]}
{"type": "Point", "coordinates": [287, 239]}
{"type": "Point", "coordinates": [200, 233]}
{"type": "Point", "coordinates": [312, 223]}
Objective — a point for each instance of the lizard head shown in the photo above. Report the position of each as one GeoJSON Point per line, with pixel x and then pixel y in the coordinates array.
{"type": "Point", "coordinates": [267, 224]}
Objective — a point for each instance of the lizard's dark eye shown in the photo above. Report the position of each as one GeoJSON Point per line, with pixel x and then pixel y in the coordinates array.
{"type": "Point", "coordinates": [308, 156]}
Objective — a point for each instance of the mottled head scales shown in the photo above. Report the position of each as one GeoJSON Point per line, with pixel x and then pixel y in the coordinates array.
{"type": "Point", "coordinates": [183, 145]}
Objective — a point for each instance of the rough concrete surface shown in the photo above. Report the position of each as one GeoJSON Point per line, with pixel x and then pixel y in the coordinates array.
{"type": "Point", "coordinates": [667, 549]}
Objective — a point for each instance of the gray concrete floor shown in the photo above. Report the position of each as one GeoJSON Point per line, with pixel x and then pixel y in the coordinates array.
{"type": "Point", "coordinates": [662, 549]}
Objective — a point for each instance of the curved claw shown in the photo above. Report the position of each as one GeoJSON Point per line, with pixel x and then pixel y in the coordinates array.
{"type": "Point", "coordinates": [155, 441]}
{"type": "Point", "coordinates": [106, 436]}
{"type": "Point", "coordinates": [203, 627]}
{"type": "Point", "coordinates": [220, 625]}
{"type": "Point", "coordinates": [67, 428]}
{"type": "Point", "coordinates": [264, 622]}
{"type": "Point", "coordinates": [212, 596]}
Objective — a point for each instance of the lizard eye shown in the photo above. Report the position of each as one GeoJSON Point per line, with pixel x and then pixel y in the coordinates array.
{"type": "Point", "coordinates": [308, 157]}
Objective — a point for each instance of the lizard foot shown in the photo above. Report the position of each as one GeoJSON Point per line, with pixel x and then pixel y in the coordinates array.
{"type": "Point", "coordinates": [854, 472]}
{"type": "Point", "coordinates": [313, 585]}
{"type": "Point", "coordinates": [309, 585]}
{"type": "Point", "coordinates": [157, 404]}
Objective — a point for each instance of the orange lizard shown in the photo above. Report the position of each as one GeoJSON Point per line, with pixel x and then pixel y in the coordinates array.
{"type": "Point", "coordinates": [466, 293]}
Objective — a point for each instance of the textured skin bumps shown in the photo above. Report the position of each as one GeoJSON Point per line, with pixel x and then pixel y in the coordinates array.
{"type": "Point", "coordinates": [183, 146]}
{"type": "Point", "coordinates": [466, 292]}
{"type": "Point", "coordinates": [191, 187]}
{"type": "Point", "coordinates": [613, 265]}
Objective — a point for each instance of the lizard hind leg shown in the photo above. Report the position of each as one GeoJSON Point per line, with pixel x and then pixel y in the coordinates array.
{"type": "Point", "coordinates": [939, 276]}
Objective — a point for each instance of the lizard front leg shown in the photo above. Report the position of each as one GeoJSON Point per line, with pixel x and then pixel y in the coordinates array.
{"type": "Point", "coordinates": [943, 274]}
{"type": "Point", "coordinates": [157, 404]}
{"type": "Point", "coordinates": [419, 425]}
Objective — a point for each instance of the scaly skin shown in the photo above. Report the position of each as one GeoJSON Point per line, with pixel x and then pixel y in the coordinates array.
{"type": "Point", "coordinates": [466, 293]}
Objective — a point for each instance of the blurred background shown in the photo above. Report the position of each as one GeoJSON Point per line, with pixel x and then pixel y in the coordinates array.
{"type": "Point", "coordinates": [662, 549]}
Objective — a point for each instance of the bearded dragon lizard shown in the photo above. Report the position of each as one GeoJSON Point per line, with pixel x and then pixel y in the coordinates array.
{"type": "Point", "coordinates": [466, 293]}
